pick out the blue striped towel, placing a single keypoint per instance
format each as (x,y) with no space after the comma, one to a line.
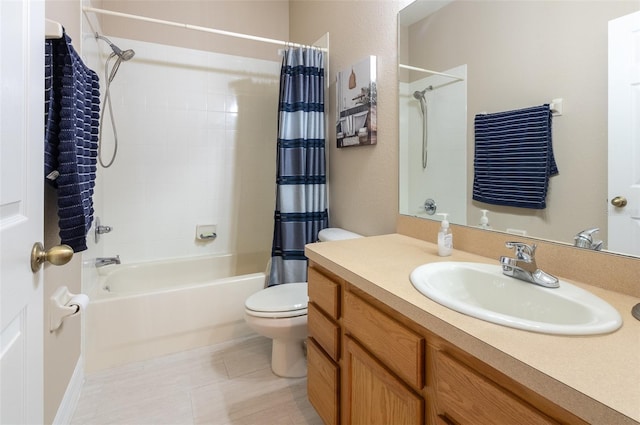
(513,157)
(72,107)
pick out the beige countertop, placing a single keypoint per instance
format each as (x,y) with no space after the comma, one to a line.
(595,377)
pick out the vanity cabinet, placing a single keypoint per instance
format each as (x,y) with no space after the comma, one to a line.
(368,364)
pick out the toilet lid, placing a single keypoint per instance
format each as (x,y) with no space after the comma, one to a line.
(289,298)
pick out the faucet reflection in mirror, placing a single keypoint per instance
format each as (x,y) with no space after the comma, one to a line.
(584,239)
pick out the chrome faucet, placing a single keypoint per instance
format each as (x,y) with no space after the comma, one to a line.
(584,239)
(524,266)
(101,262)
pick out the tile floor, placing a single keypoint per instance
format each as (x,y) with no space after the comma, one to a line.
(225,384)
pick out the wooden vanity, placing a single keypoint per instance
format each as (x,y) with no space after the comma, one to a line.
(381,353)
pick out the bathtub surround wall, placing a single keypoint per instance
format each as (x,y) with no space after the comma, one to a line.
(197,134)
(443,181)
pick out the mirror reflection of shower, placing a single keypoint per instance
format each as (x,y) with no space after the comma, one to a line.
(420,96)
(120,56)
(445,128)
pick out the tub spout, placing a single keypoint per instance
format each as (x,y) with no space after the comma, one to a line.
(105,261)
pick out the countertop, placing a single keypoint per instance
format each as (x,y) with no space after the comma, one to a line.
(595,377)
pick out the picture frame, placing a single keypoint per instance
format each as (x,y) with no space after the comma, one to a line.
(356,97)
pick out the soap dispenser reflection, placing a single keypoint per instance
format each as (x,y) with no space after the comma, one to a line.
(484,220)
(445,237)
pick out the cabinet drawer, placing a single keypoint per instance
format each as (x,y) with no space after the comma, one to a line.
(324,331)
(466,397)
(324,292)
(322,384)
(396,346)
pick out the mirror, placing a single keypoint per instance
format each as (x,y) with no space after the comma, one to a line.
(511,55)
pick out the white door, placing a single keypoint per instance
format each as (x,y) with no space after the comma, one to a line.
(21,209)
(624,134)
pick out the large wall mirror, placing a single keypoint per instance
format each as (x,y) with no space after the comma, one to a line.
(461,58)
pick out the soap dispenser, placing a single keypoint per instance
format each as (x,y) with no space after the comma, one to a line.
(445,237)
(484,220)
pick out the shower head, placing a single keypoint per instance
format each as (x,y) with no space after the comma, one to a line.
(124,55)
(419,95)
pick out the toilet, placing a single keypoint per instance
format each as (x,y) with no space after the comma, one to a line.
(280,313)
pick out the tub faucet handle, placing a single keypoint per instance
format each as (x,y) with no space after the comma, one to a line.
(100,230)
(103,229)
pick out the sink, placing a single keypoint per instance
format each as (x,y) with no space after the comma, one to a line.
(482,291)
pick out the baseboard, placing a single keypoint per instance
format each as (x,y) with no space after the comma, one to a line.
(71,395)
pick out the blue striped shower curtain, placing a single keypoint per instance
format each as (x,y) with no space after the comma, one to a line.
(301,196)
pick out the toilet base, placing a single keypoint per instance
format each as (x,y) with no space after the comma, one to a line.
(288,358)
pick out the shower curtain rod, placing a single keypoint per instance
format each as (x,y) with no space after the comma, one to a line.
(428,71)
(195,27)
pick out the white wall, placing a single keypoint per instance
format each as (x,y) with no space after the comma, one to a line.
(197,138)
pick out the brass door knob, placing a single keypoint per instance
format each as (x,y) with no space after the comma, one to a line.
(57,255)
(619,201)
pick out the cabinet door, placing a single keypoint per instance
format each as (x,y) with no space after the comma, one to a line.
(375,396)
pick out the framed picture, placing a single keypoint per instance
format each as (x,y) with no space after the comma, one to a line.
(356,96)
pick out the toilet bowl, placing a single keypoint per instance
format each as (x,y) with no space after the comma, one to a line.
(280,313)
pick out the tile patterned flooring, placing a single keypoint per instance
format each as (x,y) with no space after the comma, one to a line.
(224,384)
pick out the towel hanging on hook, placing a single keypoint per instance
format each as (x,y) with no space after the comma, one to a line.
(513,158)
(72,106)
(52,29)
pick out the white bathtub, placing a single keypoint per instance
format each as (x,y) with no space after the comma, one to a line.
(145,310)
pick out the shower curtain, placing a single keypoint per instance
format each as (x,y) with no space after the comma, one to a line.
(301,207)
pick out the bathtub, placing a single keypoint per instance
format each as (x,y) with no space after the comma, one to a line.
(141,311)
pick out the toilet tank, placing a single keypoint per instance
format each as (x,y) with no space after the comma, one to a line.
(336,234)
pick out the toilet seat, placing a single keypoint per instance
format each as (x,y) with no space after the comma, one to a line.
(280,301)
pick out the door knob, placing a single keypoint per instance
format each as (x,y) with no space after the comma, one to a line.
(619,201)
(56,255)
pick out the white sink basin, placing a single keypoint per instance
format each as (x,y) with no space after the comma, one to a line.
(482,291)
